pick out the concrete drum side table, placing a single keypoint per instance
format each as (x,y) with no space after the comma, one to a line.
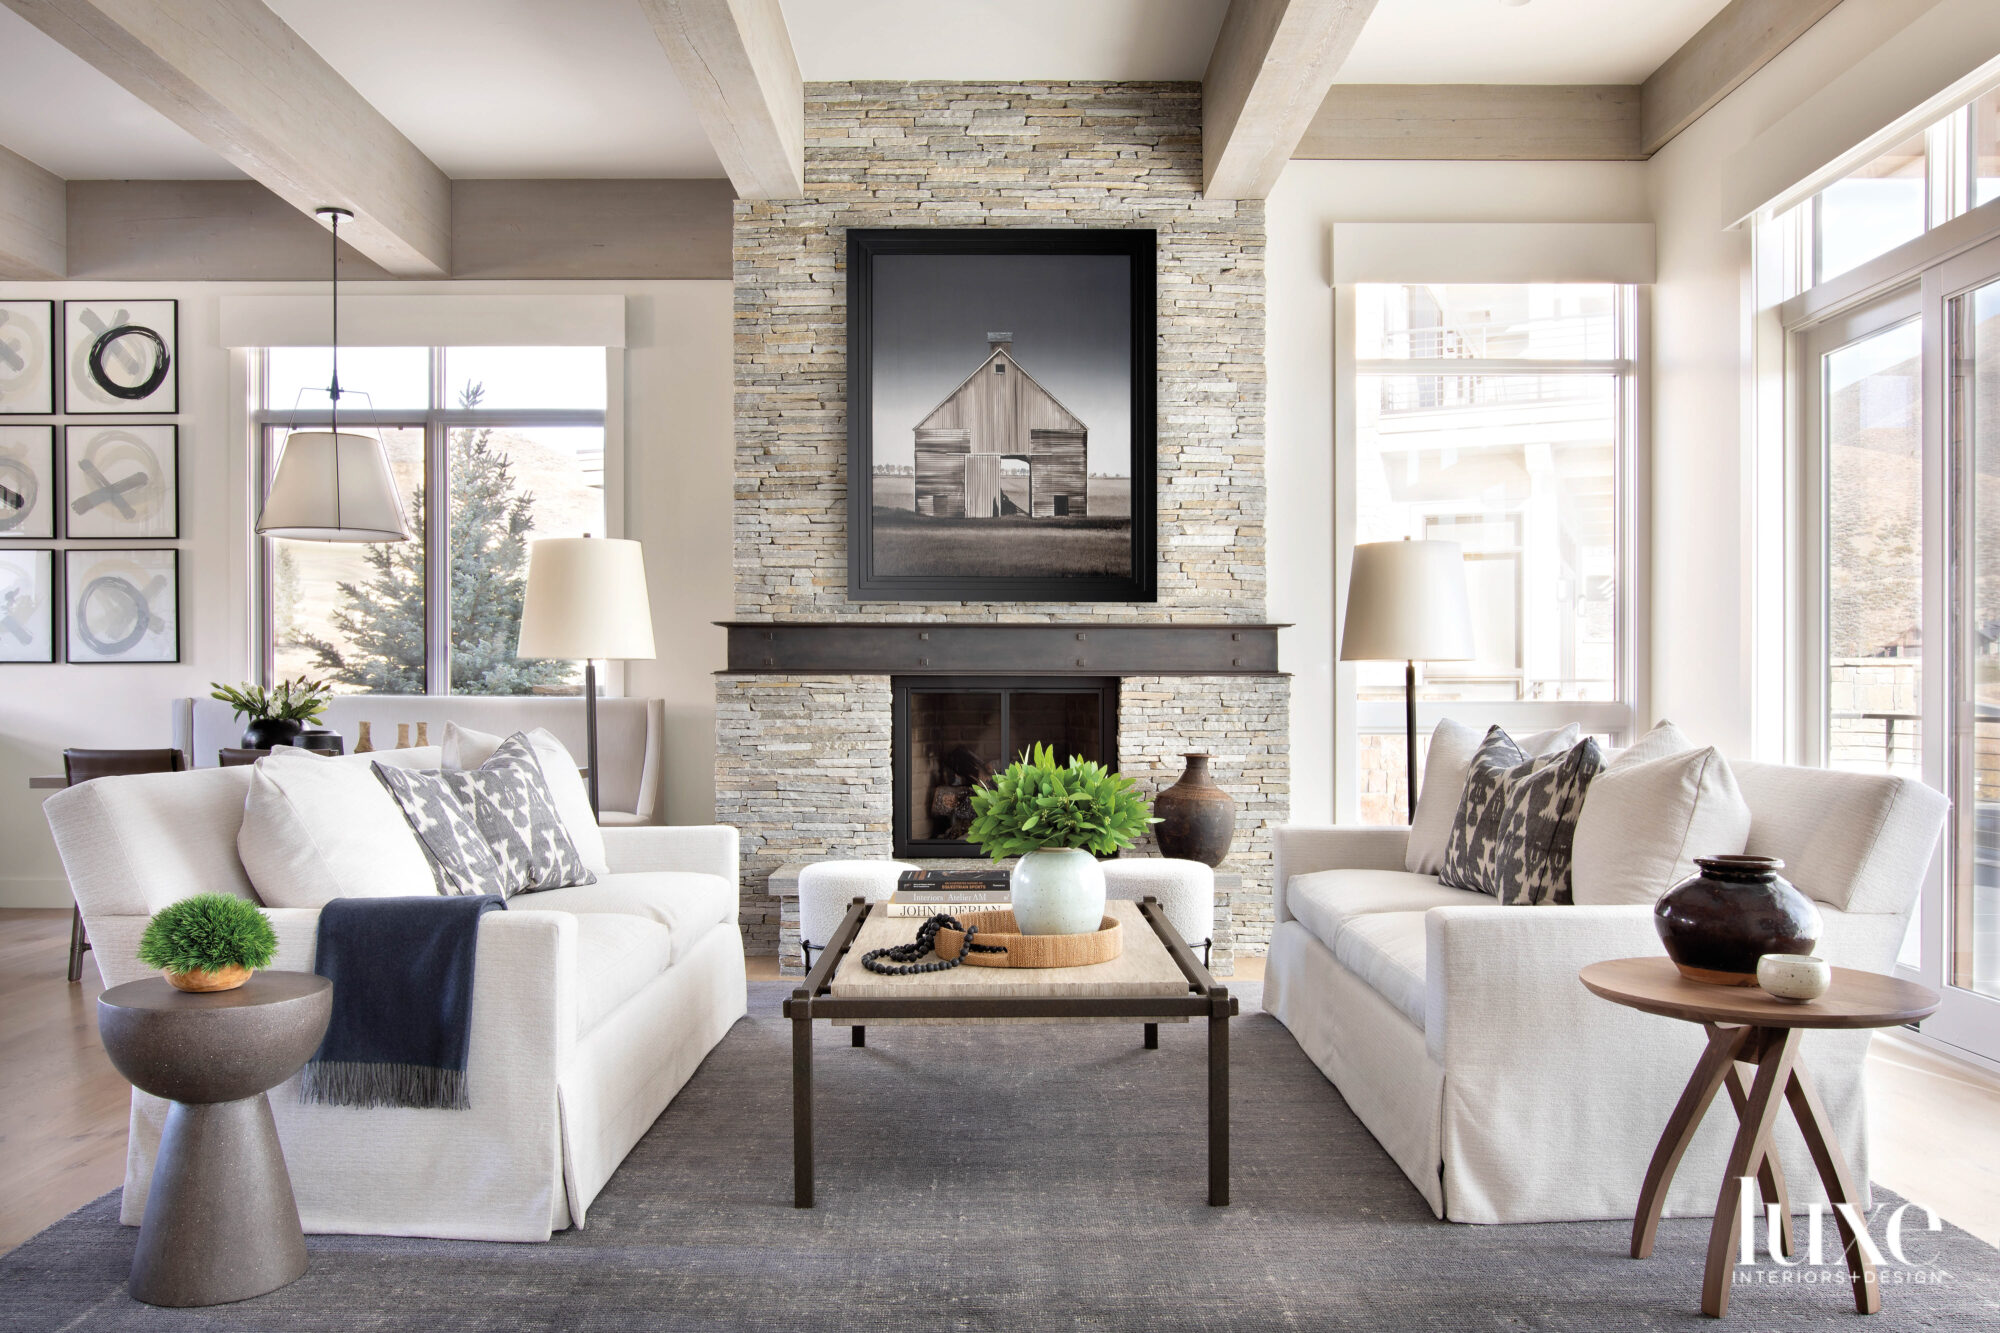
(221,1223)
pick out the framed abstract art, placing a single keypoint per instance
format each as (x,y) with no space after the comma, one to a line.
(124,606)
(27,358)
(121,481)
(121,357)
(27,605)
(27,482)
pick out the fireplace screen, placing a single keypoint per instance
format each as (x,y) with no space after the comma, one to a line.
(952,733)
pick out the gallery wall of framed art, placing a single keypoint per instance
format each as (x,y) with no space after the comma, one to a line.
(102,467)
(1001,433)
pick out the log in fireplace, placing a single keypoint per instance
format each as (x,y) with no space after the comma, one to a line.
(950,733)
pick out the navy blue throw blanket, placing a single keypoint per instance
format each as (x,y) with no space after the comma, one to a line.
(401,970)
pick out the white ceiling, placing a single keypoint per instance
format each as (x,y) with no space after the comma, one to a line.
(498,88)
(989,40)
(581,88)
(1544,41)
(65,117)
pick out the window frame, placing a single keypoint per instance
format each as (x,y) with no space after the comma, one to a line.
(267,425)
(1616,717)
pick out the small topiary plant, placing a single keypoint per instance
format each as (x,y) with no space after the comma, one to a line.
(208,933)
(1039,804)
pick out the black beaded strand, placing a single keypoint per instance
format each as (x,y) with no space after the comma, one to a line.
(903,957)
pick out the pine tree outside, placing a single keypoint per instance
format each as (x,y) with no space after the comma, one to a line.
(357,615)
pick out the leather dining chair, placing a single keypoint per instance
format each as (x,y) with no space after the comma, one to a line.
(237,758)
(82,766)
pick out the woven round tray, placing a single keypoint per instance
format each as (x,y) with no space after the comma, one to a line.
(1099,946)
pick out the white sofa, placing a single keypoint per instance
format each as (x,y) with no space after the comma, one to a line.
(631,734)
(592,1006)
(1456,1028)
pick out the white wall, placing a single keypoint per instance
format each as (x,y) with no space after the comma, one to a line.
(676,412)
(1310,198)
(1711,491)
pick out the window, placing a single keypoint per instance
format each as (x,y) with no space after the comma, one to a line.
(1891,375)
(492,447)
(1498,417)
(1904,191)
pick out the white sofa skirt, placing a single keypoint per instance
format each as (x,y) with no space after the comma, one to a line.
(552,1114)
(1546,1102)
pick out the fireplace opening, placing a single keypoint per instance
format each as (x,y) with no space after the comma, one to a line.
(953,732)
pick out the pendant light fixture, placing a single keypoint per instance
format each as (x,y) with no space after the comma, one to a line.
(334,485)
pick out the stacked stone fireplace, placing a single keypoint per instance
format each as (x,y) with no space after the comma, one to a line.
(806,719)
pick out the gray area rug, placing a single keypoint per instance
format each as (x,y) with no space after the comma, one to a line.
(1000,1179)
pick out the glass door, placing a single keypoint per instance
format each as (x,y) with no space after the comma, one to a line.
(1966,293)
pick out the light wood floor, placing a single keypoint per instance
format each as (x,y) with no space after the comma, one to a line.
(1936,1122)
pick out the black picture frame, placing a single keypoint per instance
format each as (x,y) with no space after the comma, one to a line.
(163,400)
(52,611)
(75,589)
(865,582)
(23,391)
(74,492)
(29,464)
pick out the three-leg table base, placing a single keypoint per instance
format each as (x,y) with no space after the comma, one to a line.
(1780,1079)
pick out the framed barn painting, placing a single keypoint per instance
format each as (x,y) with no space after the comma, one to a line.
(1000,415)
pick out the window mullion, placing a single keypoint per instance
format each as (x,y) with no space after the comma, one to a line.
(437,536)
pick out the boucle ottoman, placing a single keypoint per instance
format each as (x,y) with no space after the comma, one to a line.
(1186,890)
(827,888)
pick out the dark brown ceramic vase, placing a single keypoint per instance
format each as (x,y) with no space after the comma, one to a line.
(1197,818)
(1718,923)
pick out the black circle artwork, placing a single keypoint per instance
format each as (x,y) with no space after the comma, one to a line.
(162,362)
(908,954)
(113,587)
(19,488)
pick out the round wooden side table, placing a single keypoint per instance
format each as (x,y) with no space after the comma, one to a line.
(221,1223)
(1744,1024)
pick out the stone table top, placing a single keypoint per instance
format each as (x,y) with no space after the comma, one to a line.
(1143,968)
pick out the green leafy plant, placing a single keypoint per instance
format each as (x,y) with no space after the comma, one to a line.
(206,933)
(299,700)
(1038,803)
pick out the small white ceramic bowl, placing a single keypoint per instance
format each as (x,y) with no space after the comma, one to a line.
(1795,977)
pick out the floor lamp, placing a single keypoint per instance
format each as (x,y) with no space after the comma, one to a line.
(1406,603)
(586,599)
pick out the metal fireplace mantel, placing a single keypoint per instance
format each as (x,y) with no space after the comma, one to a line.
(937,648)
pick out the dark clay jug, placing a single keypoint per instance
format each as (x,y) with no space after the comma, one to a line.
(1718,923)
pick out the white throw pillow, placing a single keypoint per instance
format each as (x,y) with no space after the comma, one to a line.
(467,748)
(1645,819)
(318,829)
(1450,756)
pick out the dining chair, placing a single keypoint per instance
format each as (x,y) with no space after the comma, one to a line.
(82,766)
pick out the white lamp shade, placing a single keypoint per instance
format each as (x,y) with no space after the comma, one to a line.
(333,488)
(586,599)
(1406,602)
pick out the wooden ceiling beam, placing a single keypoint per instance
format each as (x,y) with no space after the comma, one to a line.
(232,74)
(735,59)
(1273,63)
(1713,63)
(1476,122)
(33,242)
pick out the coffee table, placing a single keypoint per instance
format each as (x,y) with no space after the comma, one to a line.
(1155,980)
(1747,1026)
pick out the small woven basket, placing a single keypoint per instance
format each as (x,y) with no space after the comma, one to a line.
(1099,946)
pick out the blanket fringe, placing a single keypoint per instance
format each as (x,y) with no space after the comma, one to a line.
(361,1083)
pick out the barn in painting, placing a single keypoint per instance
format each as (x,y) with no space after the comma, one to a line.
(975,447)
